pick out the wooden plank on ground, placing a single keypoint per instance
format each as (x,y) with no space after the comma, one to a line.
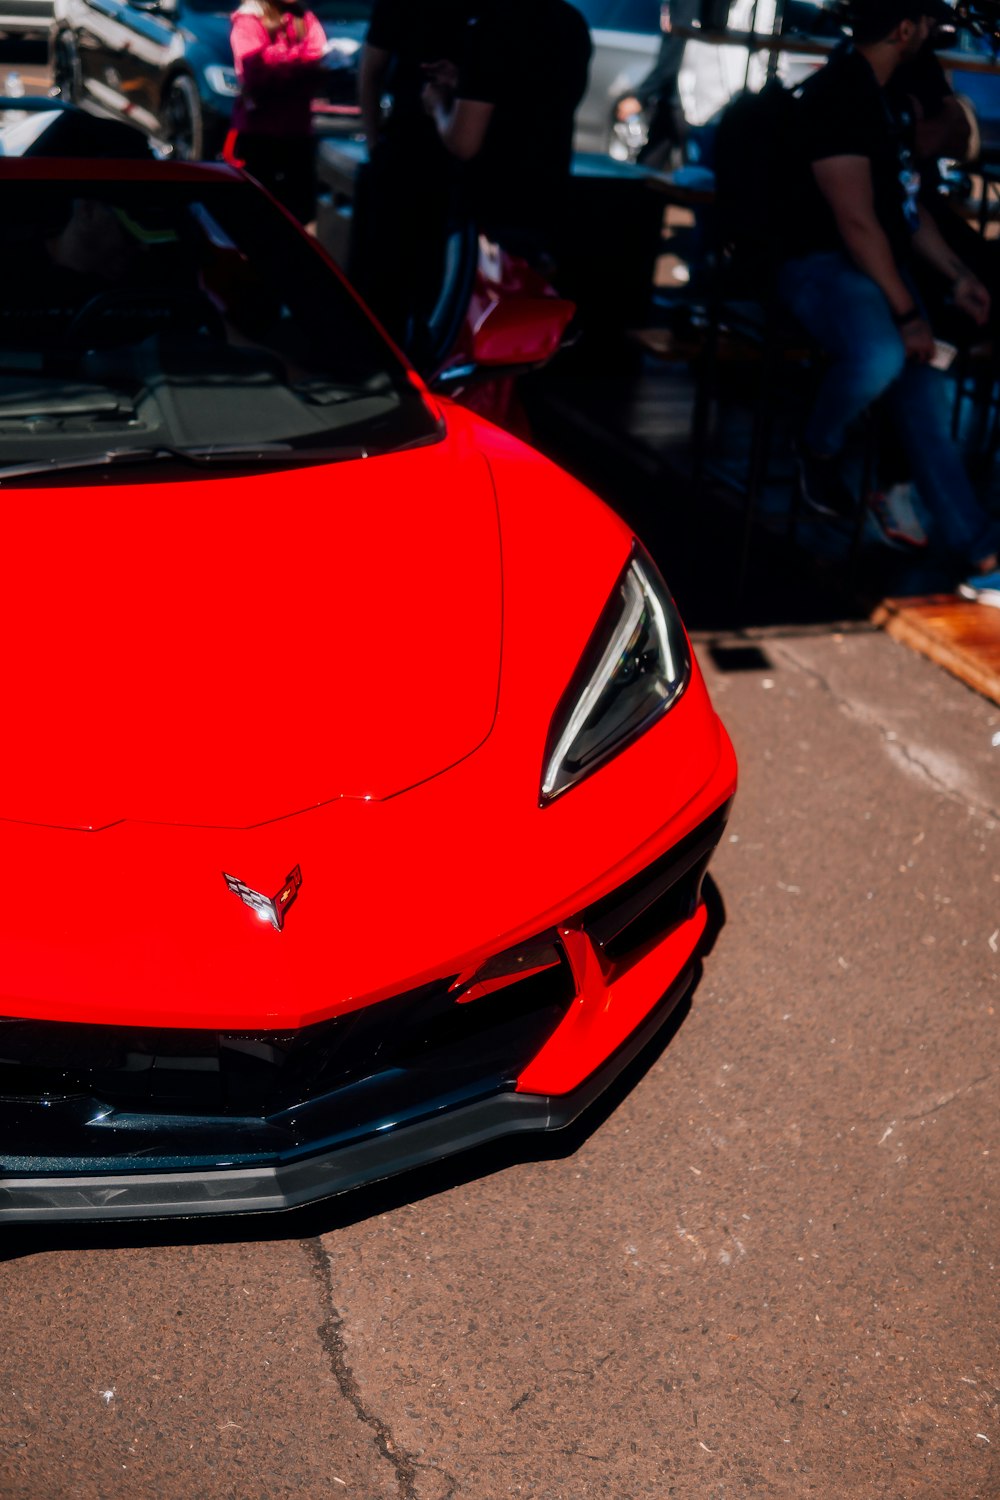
(958,634)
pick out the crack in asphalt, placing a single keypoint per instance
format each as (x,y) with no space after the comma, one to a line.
(942,1102)
(331,1337)
(890,737)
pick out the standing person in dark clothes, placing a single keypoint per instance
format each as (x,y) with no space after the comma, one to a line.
(658,91)
(507,112)
(856,228)
(405,191)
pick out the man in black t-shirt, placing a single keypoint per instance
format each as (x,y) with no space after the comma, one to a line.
(844,116)
(507,111)
(859,224)
(404,196)
(404,38)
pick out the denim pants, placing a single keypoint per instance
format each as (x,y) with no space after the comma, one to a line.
(849,317)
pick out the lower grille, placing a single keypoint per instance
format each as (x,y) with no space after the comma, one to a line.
(413,1046)
(643,910)
(106,1099)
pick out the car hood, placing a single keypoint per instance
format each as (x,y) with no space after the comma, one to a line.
(227,651)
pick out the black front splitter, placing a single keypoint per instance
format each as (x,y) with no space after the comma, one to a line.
(86,1195)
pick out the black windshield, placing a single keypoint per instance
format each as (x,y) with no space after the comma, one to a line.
(182,315)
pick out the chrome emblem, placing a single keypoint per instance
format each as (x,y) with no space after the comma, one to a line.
(268,908)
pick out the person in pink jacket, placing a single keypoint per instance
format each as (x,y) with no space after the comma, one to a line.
(278,51)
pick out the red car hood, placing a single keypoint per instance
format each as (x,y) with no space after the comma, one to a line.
(229,651)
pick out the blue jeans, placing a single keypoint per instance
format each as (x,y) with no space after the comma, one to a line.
(849,317)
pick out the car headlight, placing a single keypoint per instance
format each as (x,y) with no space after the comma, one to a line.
(222,80)
(634,669)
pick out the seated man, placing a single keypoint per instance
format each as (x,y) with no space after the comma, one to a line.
(59,260)
(944,125)
(81,247)
(855,232)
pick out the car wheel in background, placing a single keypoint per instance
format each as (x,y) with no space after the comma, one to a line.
(181,120)
(67,78)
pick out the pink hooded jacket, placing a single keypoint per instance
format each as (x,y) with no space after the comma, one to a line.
(278,75)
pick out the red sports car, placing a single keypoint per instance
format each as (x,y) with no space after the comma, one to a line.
(358,780)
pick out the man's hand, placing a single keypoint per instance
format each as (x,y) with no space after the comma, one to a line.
(434,99)
(972,298)
(918,340)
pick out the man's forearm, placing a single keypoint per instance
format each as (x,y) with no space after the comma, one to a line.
(868,247)
(846,184)
(932,247)
(968,293)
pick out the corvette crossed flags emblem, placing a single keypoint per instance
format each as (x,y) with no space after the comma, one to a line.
(268,908)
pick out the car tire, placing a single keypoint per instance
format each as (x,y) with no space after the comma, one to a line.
(182,122)
(67,76)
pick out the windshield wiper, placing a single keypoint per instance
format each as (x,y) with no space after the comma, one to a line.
(210,453)
(220,453)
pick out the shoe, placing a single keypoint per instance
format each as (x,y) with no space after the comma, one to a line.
(983,587)
(893,513)
(823,489)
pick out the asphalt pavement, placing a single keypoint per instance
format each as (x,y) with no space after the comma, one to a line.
(766,1267)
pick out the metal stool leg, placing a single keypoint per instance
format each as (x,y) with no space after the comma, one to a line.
(760,448)
(707,372)
(868,464)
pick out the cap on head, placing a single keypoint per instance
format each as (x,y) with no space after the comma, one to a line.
(873,20)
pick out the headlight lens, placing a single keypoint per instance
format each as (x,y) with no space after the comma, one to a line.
(634,669)
(222,80)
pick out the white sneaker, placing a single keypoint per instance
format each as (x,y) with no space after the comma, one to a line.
(983,587)
(893,513)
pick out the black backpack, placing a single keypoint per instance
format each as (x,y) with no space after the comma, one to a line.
(758,174)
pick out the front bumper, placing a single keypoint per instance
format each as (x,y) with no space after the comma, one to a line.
(264,1189)
(119,1123)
